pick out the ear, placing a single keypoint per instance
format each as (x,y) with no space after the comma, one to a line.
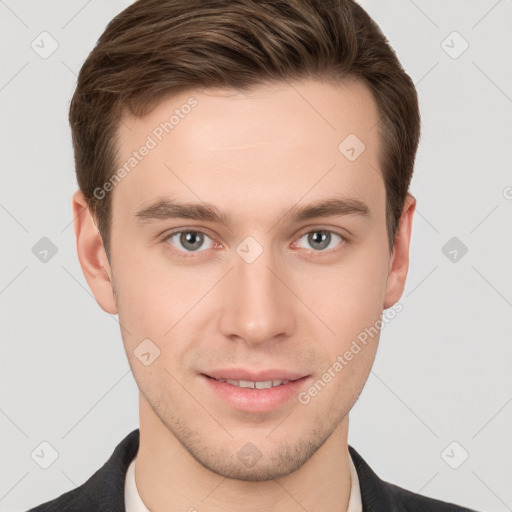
(92,255)
(399,263)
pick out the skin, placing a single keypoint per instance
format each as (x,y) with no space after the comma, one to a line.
(253,155)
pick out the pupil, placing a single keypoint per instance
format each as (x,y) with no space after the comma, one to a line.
(191,240)
(320,237)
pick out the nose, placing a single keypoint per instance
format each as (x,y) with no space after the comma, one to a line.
(257,304)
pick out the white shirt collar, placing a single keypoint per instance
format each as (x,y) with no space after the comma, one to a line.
(132,500)
(354,503)
(134,503)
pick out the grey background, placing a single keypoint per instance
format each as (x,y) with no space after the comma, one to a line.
(442,373)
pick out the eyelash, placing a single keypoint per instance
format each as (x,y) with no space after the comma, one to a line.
(187,254)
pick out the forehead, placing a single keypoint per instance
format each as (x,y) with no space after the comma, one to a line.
(275,142)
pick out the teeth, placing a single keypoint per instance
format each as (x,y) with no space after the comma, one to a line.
(264,385)
(267,384)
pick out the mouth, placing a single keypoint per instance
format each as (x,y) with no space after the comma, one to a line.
(243,375)
(254,391)
(265,384)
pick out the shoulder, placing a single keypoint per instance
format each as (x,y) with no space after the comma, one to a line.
(411,501)
(377,494)
(104,490)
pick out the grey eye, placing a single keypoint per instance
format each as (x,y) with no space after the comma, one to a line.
(320,239)
(191,241)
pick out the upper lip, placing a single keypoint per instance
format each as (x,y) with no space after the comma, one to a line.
(253,376)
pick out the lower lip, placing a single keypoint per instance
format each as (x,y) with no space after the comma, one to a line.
(255,400)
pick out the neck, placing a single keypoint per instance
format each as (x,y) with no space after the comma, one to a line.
(169,478)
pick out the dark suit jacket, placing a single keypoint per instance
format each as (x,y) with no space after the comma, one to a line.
(104,491)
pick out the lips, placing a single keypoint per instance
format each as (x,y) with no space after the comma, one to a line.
(239,374)
(267,384)
(254,391)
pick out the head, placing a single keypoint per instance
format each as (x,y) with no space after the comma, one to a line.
(206,135)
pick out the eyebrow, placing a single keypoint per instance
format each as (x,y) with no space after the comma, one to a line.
(169,209)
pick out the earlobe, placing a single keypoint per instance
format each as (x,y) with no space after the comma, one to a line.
(399,264)
(91,254)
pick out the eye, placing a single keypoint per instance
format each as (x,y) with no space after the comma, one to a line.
(189,241)
(321,239)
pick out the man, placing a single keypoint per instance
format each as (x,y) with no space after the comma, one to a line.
(243,206)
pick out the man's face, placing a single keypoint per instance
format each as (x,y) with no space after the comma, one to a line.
(265,296)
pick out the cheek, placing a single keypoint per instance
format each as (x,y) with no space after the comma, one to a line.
(348,297)
(159,300)
(151,288)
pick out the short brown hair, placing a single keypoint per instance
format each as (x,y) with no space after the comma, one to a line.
(156,48)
